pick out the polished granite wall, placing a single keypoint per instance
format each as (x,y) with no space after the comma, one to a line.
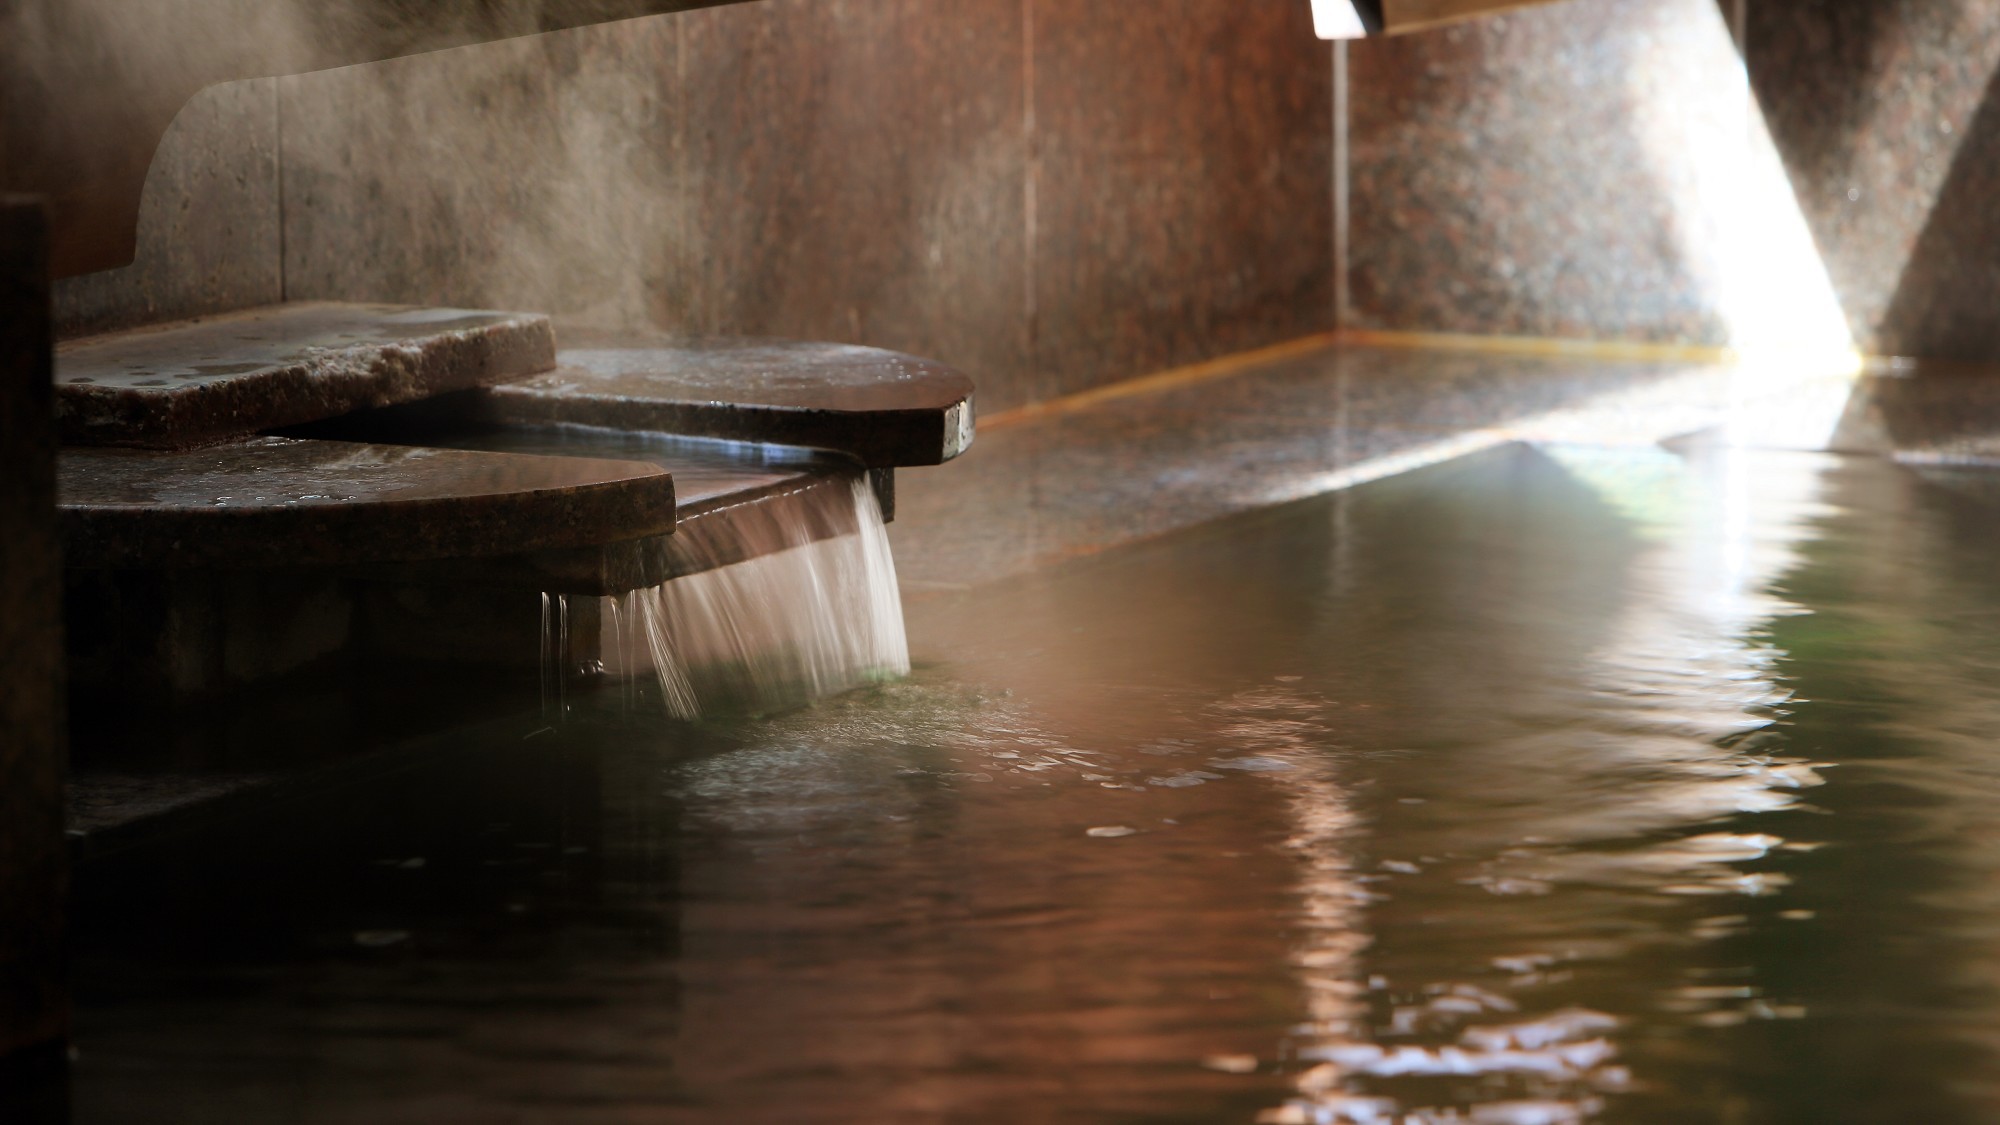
(32,847)
(209,232)
(1564,171)
(1887,113)
(1048,195)
(1056,196)
(1529,174)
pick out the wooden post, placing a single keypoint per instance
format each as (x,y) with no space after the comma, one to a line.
(34,1003)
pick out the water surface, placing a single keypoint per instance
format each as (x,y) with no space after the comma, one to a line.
(1552,785)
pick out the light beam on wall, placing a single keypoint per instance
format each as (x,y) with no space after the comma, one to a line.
(1344,19)
(1734,211)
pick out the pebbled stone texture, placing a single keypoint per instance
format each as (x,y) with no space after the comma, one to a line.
(205,381)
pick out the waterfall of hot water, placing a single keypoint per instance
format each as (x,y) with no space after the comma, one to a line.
(803,615)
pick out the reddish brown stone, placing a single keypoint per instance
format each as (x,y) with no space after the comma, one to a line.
(1503,180)
(1887,114)
(1183,184)
(285,503)
(858,175)
(204,381)
(883,408)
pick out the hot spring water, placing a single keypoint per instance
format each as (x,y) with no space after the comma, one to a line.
(805,615)
(1555,786)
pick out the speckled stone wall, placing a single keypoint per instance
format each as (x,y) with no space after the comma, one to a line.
(208,223)
(539,174)
(856,173)
(1183,186)
(1542,173)
(1887,114)
(1054,196)
(1047,195)
(1528,174)
(32,846)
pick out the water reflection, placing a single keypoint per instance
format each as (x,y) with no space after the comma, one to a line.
(1598,785)
(1498,793)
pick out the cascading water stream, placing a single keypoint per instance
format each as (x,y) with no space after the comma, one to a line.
(555,656)
(804,615)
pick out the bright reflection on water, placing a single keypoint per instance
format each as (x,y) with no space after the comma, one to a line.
(1553,785)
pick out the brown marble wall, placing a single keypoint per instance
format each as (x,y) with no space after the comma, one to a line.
(1541,174)
(1524,174)
(1054,196)
(32,846)
(540,173)
(1183,187)
(1887,114)
(1050,196)
(856,173)
(208,222)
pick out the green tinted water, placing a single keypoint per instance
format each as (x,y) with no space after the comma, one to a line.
(1553,785)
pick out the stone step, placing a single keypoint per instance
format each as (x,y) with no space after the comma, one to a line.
(880,407)
(718,486)
(200,382)
(273,502)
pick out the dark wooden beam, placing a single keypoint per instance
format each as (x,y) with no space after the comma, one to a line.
(34,1013)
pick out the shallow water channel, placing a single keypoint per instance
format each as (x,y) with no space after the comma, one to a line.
(1551,785)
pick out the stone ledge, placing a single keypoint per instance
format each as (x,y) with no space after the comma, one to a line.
(882,408)
(281,502)
(205,381)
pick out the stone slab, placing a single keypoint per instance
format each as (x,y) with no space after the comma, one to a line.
(205,381)
(880,407)
(718,533)
(717,485)
(85,95)
(33,1003)
(281,502)
(538,173)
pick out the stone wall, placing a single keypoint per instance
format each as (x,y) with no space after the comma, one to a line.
(1887,113)
(1533,174)
(1048,195)
(1566,171)
(1054,196)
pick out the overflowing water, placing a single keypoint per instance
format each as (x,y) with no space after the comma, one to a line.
(1548,787)
(805,616)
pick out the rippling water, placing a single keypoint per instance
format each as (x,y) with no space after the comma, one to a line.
(1554,785)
